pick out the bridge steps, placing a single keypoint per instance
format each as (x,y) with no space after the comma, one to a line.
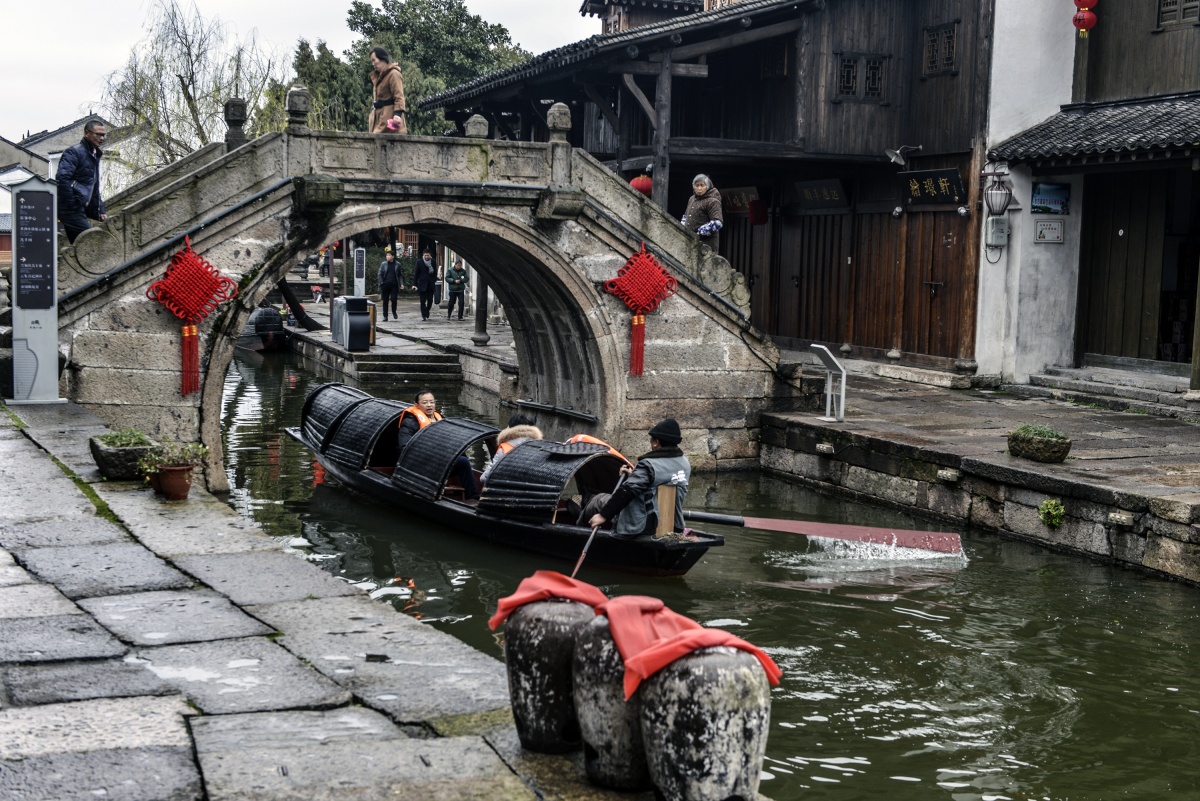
(1117,390)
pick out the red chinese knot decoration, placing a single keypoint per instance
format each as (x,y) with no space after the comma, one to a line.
(643,284)
(191,290)
(1084,19)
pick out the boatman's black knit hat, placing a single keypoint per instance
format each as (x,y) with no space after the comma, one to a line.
(667,432)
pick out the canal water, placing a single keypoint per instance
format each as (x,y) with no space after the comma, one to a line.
(1012,673)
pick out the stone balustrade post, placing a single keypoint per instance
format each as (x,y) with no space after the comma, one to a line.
(476,127)
(235,118)
(297,104)
(560,200)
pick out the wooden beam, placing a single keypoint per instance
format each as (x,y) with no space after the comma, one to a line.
(650,68)
(634,90)
(736,40)
(662,134)
(605,109)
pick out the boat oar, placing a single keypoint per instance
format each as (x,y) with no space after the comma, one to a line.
(583,555)
(945,542)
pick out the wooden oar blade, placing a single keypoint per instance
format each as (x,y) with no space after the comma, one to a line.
(945,542)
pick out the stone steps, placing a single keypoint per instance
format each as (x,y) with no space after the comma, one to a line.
(1124,378)
(1102,388)
(1102,400)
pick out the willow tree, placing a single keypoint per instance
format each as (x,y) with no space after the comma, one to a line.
(168,99)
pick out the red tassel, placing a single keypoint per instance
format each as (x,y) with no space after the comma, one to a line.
(191,360)
(637,344)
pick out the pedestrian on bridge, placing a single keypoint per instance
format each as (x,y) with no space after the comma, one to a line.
(78,179)
(456,287)
(704,216)
(390,283)
(387,107)
(424,279)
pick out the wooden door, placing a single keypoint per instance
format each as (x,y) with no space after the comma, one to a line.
(813,286)
(935,283)
(877,281)
(1120,263)
(748,249)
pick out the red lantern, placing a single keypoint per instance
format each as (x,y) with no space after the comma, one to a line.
(643,184)
(1086,4)
(1084,20)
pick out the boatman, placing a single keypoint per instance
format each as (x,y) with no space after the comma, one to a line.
(423,413)
(633,508)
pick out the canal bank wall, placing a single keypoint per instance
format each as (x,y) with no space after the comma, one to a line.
(1130,490)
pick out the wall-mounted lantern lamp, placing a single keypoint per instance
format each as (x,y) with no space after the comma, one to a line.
(963,211)
(896,212)
(900,155)
(997,195)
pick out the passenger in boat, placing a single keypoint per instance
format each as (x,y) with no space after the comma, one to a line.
(422,413)
(633,508)
(521,428)
(586,480)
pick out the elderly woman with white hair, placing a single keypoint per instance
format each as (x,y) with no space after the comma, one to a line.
(704,216)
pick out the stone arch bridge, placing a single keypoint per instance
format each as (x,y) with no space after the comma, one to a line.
(543,223)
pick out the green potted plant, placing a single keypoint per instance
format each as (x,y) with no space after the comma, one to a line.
(117,453)
(168,467)
(1039,443)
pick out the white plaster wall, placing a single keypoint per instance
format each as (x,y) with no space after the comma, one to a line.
(1026,313)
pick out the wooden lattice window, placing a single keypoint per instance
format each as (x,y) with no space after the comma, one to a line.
(941,50)
(1178,11)
(861,76)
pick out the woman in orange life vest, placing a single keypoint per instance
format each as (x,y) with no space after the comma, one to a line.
(422,413)
(521,428)
(587,482)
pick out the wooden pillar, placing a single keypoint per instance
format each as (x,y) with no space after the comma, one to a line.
(1195,385)
(662,133)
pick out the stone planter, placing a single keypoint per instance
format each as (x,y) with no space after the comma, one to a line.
(118,464)
(1039,449)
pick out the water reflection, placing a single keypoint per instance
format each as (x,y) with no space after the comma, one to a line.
(1013,673)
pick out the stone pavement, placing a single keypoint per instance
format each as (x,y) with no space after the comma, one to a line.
(152,649)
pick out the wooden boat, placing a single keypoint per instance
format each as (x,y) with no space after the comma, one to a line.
(353,436)
(264,330)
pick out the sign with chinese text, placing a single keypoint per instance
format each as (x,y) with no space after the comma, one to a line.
(1048,231)
(826,194)
(35,293)
(360,271)
(738,199)
(926,187)
(1051,199)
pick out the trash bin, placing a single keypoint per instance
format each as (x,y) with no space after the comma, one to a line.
(337,320)
(371,307)
(357,324)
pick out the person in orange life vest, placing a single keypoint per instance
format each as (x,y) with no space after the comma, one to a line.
(424,412)
(587,481)
(521,428)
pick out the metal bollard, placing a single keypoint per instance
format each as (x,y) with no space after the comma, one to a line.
(612,739)
(539,639)
(704,719)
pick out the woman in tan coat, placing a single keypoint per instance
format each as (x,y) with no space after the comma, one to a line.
(389,94)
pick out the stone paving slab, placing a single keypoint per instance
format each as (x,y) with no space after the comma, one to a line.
(76,728)
(88,571)
(34,601)
(291,729)
(10,573)
(57,532)
(70,446)
(142,774)
(256,578)
(24,466)
(445,769)
(30,685)
(392,663)
(246,675)
(160,618)
(201,525)
(49,639)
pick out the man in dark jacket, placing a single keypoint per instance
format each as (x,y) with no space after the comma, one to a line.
(633,508)
(390,283)
(424,278)
(78,180)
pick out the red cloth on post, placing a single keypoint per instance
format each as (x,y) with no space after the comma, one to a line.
(649,636)
(545,584)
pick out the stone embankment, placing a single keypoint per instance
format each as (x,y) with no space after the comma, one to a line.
(1130,487)
(171,650)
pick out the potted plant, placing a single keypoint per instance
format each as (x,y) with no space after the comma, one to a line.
(1039,443)
(117,453)
(168,467)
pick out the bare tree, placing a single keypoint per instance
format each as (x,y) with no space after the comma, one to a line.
(168,99)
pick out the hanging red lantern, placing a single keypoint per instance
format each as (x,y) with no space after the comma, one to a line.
(1086,4)
(1084,20)
(643,184)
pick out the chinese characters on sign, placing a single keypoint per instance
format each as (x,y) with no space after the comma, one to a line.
(1051,199)
(816,195)
(1048,231)
(738,198)
(925,187)
(33,263)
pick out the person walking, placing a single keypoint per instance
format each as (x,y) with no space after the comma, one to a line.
(390,283)
(704,216)
(387,107)
(424,278)
(456,287)
(78,178)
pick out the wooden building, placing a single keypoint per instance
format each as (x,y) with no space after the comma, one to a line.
(791,108)
(1126,149)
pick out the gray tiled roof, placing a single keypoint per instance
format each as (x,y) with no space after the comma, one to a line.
(603,44)
(1110,129)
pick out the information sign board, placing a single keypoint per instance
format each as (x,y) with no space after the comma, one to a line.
(33,249)
(924,187)
(35,293)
